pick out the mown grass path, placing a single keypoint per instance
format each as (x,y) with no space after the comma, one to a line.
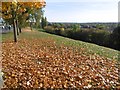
(39,60)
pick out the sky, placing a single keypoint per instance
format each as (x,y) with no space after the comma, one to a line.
(81,10)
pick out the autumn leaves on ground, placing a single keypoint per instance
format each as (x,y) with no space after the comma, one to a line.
(38,60)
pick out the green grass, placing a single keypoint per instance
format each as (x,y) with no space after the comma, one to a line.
(90,48)
(7,36)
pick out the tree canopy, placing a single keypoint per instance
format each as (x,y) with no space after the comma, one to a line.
(20,7)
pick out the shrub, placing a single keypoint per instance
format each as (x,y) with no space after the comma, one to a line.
(66,32)
(100,37)
(49,29)
(62,29)
(115,38)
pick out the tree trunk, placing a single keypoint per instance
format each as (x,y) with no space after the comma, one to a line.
(31,26)
(20,30)
(17,31)
(14,30)
(17,27)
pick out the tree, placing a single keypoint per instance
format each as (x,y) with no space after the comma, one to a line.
(75,27)
(37,17)
(13,10)
(100,26)
(43,22)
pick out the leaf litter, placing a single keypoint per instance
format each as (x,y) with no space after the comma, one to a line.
(43,63)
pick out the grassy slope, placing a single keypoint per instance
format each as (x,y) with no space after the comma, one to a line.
(89,48)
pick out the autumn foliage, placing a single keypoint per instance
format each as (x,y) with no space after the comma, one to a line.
(19,7)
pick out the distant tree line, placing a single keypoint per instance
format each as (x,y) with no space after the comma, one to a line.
(97,35)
